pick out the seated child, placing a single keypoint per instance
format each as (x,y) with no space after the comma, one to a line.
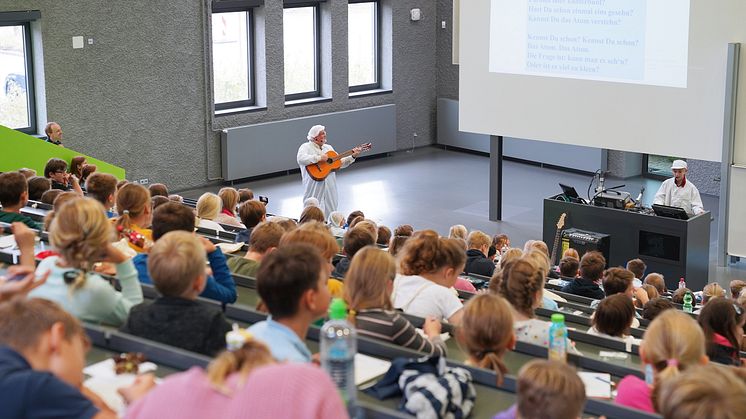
(637,267)
(245,194)
(544,387)
(158,189)
(591,268)
(176,262)
(42,355)
(311,213)
(722,321)
(679,294)
(704,392)
(458,231)
(37,185)
(429,266)
(655,307)
(135,216)
(59,201)
(672,343)
(613,318)
(208,208)
(712,290)
(82,235)
(486,333)
(247,376)
(354,240)
(384,236)
(173,216)
(736,286)
(656,280)
(318,236)
(49,196)
(227,215)
(103,188)
(56,171)
(569,268)
(251,213)
(13,197)
(264,239)
(292,284)
(86,172)
(477,262)
(336,224)
(396,244)
(368,288)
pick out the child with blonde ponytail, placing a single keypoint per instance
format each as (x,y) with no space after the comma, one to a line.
(81,234)
(673,342)
(486,333)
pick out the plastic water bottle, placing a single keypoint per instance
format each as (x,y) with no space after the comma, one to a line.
(338,349)
(682,283)
(558,338)
(688,302)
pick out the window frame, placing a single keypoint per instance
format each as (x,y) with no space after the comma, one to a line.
(377,50)
(317,51)
(28,56)
(250,43)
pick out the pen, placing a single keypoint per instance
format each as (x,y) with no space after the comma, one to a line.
(603,380)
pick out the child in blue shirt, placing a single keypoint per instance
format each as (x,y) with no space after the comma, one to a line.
(42,355)
(292,284)
(173,216)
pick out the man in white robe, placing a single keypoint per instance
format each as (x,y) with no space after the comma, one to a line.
(678,191)
(314,151)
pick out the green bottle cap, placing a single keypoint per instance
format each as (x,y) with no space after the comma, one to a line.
(558,318)
(338,309)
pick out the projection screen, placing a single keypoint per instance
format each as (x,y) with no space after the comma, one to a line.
(643,76)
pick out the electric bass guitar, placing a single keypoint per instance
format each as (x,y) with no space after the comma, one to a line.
(560,224)
(319,171)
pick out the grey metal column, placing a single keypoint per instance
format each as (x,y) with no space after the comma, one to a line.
(496,178)
(729,134)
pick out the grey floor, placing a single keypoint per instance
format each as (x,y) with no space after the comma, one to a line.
(432,188)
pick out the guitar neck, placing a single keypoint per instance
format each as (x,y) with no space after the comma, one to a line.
(554,247)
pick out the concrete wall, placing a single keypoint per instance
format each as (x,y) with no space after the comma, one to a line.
(138,98)
(621,164)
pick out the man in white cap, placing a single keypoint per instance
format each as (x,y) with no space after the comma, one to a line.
(314,151)
(679,192)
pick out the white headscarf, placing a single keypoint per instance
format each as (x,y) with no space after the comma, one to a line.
(315,131)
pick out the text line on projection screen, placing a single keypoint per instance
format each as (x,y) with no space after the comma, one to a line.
(625,41)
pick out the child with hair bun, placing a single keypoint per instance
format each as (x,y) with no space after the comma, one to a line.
(82,235)
(428,267)
(673,343)
(135,216)
(486,333)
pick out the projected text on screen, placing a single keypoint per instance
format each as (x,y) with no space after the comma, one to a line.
(628,41)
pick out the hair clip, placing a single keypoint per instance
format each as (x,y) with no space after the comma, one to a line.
(236,338)
(672,362)
(126,212)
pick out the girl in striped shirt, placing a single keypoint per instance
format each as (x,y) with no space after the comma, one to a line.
(368,286)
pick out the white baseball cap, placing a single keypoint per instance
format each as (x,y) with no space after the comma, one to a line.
(315,131)
(678,164)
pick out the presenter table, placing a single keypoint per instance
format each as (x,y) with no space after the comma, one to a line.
(672,247)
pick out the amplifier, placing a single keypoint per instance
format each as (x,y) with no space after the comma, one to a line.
(586,241)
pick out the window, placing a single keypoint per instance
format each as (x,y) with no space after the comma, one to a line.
(232,58)
(363,44)
(657,167)
(301,45)
(17,104)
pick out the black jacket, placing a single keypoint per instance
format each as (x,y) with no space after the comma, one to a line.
(179,322)
(477,263)
(585,288)
(723,354)
(341,269)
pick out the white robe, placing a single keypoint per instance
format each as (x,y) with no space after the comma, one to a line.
(686,197)
(326,190)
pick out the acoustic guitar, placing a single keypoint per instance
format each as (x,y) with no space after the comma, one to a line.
(560,224)
(319,171)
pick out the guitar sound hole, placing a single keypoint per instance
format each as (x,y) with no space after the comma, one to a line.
(330,161)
